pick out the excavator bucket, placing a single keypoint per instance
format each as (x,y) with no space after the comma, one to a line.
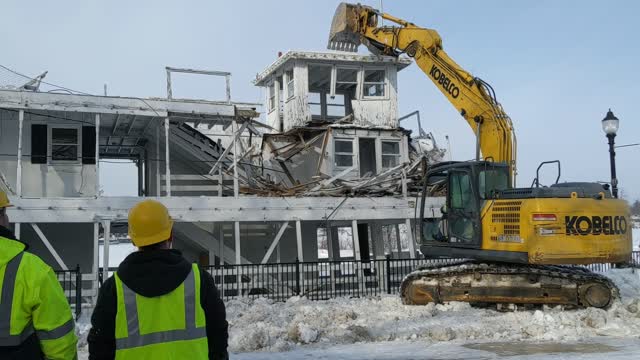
(343,35)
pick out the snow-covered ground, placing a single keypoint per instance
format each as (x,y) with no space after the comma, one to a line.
(383,328)
(589,349)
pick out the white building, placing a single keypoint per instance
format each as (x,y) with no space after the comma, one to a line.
(340,110)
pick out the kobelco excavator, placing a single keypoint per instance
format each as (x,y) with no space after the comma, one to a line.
(522,243)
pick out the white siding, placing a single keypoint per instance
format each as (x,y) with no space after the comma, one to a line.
(41,180)
(381,112)
(296,109)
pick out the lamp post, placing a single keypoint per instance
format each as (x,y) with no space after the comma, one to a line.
(610,126)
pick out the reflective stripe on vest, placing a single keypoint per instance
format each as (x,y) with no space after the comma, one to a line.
(6,302)
(134,339)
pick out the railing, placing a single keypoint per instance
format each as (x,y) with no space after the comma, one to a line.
(319,280)
(326,279)
(71,282)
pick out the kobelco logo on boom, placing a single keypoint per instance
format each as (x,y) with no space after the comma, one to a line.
(595,225)
(444,81)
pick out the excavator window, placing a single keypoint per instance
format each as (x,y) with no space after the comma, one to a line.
(492,180)
(462,207)
(460,190)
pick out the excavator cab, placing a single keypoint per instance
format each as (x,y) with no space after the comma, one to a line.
(467,186)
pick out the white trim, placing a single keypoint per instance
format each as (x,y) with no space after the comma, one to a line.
(206,208)
(167,158)
(398,156)
(334,153)
(272,84)
(20,141)
(285,78)
(97,125)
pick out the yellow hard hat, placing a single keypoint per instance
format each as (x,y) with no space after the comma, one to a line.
(149,223)
(4,200)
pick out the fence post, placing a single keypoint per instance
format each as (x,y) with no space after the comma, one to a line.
(78,291)
(297,276)
(388,273)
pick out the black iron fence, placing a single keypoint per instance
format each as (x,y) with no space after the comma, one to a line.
(71,282)
(326,279)
(319,280)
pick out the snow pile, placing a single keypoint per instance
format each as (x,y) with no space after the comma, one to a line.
(264,325)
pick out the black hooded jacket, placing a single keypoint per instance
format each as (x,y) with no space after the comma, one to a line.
(154,273)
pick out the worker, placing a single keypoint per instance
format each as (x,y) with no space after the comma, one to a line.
(35,316)
(157,305)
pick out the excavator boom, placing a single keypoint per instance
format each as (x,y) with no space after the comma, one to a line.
(474,99)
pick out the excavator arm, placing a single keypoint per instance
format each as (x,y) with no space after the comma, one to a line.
(474,99)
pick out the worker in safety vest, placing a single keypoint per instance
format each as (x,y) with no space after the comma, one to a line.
(157,305)
(35,317)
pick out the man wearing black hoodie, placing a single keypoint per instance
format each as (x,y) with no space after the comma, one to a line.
(146,310)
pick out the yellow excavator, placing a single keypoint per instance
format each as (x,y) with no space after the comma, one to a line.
(522,244)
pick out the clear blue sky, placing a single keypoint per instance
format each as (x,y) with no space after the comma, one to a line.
(557,66)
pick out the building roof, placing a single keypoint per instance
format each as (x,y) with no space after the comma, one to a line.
(328,56)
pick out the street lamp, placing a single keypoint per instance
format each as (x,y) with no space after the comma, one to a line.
(610,126)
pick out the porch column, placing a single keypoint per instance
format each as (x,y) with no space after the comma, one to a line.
(167,180)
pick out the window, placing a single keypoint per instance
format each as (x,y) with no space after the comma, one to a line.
(280,81)
(336,106)
(288,75)
(374,83)
(347,82)
(65,144)
(315,105)
(345,242)
(390,154)
(460,191)
(272,96)
(390,239)
(323,243)
(343,152)
(491,180)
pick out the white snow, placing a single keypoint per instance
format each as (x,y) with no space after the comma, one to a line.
(383,328)
(636,238)
(267,326)
(590,349)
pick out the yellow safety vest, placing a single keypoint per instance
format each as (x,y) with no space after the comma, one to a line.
(32,300)
(171,326)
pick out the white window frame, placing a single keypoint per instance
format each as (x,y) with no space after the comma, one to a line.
(50,144)
(357,82)
(291,85)
(353,152)
(363,86)
(398,156)
(271,96)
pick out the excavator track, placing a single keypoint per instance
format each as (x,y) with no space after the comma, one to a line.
(485,283)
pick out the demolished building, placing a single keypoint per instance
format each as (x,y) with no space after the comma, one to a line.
(329,175)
